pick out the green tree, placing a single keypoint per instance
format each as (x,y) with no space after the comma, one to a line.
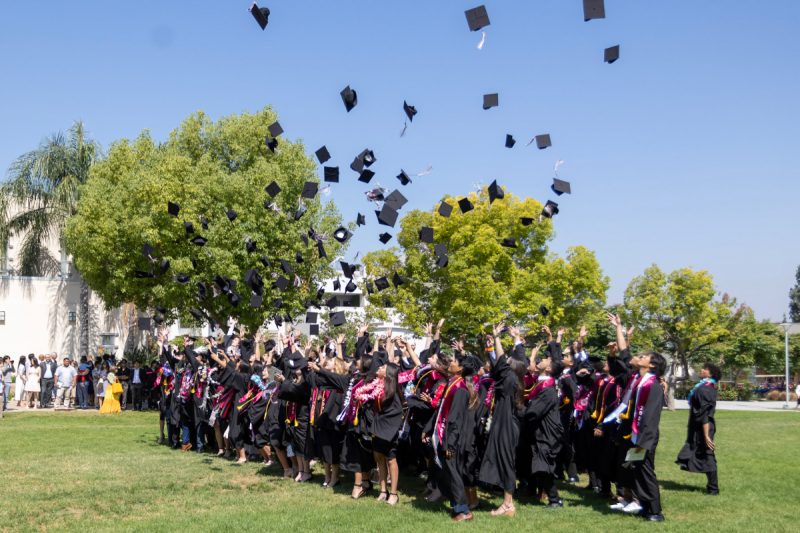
(750,343)
(678,313)
(794,299)
(207,168)
(486,282)
(41,193)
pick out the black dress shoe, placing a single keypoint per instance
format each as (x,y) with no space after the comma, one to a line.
(712,492)
(556,505)
(654,517)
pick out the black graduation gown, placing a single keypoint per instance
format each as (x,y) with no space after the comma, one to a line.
(452,472)
(475,436)
(542,424)
(497,467)
(695,455)
(328,436)
(566,410)
(584,426)
(300,395)
(238,430)
(387,419)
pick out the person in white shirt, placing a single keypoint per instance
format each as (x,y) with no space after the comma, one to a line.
(65,379)
(137,385)
(797,393)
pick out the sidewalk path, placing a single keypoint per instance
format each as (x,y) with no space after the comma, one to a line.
(764,406)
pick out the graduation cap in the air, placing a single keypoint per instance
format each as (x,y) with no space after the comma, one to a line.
(265,261)
(182,278)
(173,209)
(199,241)
(254,280)
(256,300)
(351,286)
(301,210)
(560,187)
(395,200)
(337,285)
(321,250)
(277,303)
(164,265)
(509,242)
(141,274)
(526,221)
(197,313)
(275,129)
(477,18)
(337,319)
(143,323)
(310,189)
(261,14)
(272,143)
(365,159)
(281,283)
(611,54)
(313,329)
(342,234)
(189,227)
(495,192)
(550,209)
(491,100)
(272,189)
(543,141)
(203,221)
(426,234)
(202,290)
(387,216)
(510,141)
(286,266)
(375,195)
(231,214)
(410,110)
(331,174)
(311,317)
(250,246)
(543,310)
(366,176)
(361,220)
(222,283)
(382,283)
(385,237)
(332,302)
(147,250)
(322,154)
(347,269)
(442,260)
(370,287)
(397,280)
(445,209)
(465,205)
(593,9)
(403,177)
(349,97)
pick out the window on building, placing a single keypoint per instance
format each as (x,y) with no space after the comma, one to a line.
(108,341)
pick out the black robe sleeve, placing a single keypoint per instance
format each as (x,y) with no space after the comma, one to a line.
(705,401)
(191,357)
(456,419)
(554,349)
(648,426)
(337,381)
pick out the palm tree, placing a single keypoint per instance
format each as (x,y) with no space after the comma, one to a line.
(41,193)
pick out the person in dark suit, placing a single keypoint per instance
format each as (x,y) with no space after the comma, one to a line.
(48,373)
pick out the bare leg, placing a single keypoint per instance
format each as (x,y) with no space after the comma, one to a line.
(394,474)
(334,479)
(242,456)
(380,461)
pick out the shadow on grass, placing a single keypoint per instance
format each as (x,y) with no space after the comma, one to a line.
(674,485)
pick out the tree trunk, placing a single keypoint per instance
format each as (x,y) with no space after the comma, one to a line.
(84,320)
(671,381)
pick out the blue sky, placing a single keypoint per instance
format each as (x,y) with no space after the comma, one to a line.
(682,153)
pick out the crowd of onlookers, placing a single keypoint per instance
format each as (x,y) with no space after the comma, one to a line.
(45,381)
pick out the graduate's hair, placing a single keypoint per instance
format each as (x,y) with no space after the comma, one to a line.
(339,366)
(244,368)
(556,367)
(366,363)
(658,363)
(258,368)
(519,368)
(390,381)
(714,370)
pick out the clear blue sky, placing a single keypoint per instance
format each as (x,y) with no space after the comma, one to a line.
(682,153)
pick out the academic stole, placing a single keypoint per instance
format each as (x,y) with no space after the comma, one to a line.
(453,386)
(623,410)
(642,393)
(600,397)
(323,398)
(705,382)
(538,387)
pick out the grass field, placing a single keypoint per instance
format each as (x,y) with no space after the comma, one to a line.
(86,472)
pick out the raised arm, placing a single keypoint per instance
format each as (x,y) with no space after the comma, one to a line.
(622,342)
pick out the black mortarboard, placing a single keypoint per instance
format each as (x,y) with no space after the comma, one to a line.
(278,320)
(593,9)
(286,266)
(543,141)
(273,189)
(277,303)
(442,260)
(477,18)
(382,283)
(158,319)
(366,176)
(310,189)
(141,274)
(231,214)
(234,298)
(164,265)
(337,319)
(199,241)
(370,287)
(509,242)
(543,310)
(375,195)
(202,290)
(313,329)
(397,280)
(526,221)
(495,192)
(256,300)
(275,129)
(440,249)
(173,209)
(387,216)
(426,234)
(301,210)
(143,323)
(147,250)
(465,205)
(349,97)
(560,187)
(350,287)
(203,221)
(611,54)
(510,142)
(403,177)
(550,209)
(445,209)
(395,200)
(410,110)
(298,257)
(272,143)
(321,250)
(331,174)
(491,100)
(182,278)
(261,14)
(189,227)
(304,239)
(322,154)
(250,246)
(281,283)
(197,313)
(337,285)
(311,318)
(347,269)
(342,234)
(265,261)
(385,237)
(361,220)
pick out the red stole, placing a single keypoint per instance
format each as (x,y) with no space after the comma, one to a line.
(642,393)
(537,388)
(453,386)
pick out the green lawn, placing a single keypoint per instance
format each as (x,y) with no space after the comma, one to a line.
(86,472)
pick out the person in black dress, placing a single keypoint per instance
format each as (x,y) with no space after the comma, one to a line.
(387,407)
(697,455)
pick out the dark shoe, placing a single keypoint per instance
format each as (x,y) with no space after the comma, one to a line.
(654,517)
(712,492)
(434,496)
(461,517)
(556,505)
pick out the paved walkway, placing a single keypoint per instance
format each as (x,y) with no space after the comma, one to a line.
(763,406)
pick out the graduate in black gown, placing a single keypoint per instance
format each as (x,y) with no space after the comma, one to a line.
(499,461)
(565,463)
(236,376)
(697,454)
(296,391)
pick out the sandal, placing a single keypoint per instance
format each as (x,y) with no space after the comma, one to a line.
(504,510)
(362,490)
(383,496)
(396,499)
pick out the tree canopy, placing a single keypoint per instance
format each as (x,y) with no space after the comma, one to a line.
(794,299)
(206,168)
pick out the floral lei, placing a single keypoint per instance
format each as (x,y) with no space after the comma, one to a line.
(370,391)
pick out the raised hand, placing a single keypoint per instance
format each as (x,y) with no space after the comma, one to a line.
(546,331)
(340,338)
(614,319)
(582,334)
(428,329)
(560,333)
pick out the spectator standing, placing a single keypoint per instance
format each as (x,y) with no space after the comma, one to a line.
(48,373)
(22,376)
(83,378)
(98,377)
(8,371)
(797,393)
(124,378)
(137,386)
(151,391)
(65,379)
(32,383)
